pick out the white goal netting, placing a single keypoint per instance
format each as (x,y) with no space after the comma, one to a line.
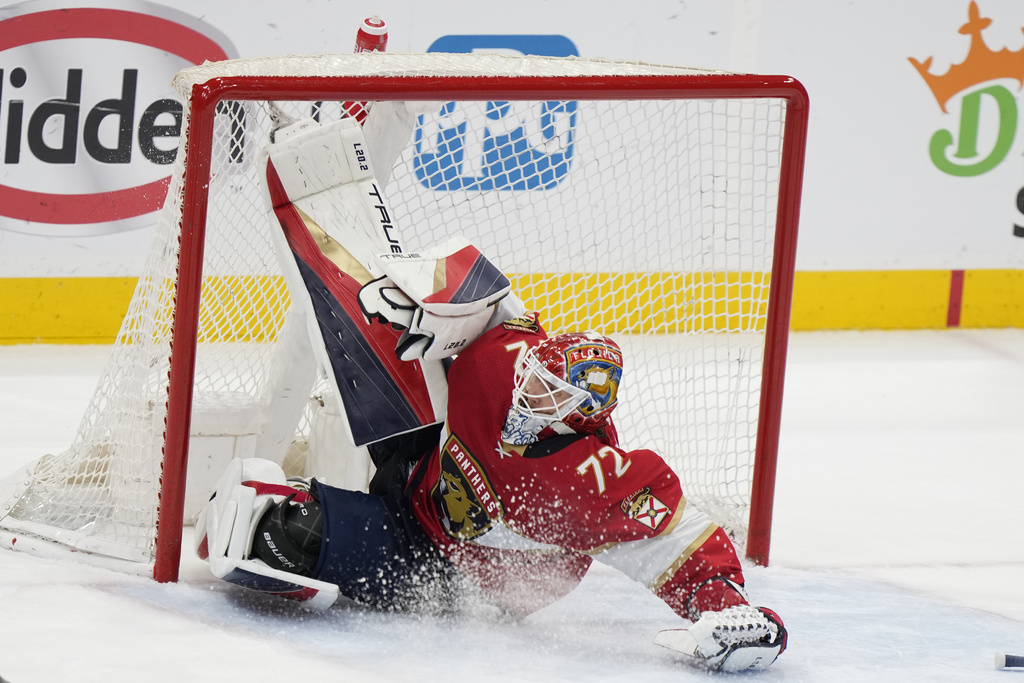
(652,220)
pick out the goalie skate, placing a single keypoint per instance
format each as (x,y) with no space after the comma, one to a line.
(225,528)
(741,638)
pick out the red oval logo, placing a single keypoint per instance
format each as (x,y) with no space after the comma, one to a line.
(163,34)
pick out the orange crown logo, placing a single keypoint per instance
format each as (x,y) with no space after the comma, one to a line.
(982,64)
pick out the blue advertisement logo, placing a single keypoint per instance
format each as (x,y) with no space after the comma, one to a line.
(547,45)
(498,145)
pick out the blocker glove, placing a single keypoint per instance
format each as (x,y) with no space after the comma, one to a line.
(443,299)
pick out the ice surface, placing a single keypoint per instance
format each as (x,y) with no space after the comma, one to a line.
(897,555)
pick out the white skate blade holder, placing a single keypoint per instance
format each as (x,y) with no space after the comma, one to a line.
(310,593)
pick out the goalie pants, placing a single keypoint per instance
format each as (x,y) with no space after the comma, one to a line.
(376,553)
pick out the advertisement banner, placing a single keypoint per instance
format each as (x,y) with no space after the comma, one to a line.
(913,197)
(88,122)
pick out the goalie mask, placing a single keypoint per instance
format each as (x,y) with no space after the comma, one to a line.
(568,381)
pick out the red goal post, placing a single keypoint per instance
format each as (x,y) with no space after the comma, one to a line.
(674,316)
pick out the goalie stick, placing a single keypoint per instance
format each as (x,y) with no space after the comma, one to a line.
(1004,661)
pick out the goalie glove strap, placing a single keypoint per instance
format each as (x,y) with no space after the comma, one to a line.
(781,634)
(713,595)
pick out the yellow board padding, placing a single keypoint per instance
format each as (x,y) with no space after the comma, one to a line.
(84,310)
(242,308)
(905,299)
(645,303)
(91,310)
(993,298)
(880,300)
(250,308)
(235,309)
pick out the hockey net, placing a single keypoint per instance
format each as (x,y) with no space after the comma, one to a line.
(654,204)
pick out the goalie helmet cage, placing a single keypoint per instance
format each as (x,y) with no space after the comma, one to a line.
(655,204)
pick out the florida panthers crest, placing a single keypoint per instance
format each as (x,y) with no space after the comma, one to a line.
(462,494)
(643,507)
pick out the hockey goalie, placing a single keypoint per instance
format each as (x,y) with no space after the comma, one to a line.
(500,473)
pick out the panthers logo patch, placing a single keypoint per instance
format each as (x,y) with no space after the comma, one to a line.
(462,495)
(643,507)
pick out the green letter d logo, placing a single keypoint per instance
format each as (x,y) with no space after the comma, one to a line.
(970,114)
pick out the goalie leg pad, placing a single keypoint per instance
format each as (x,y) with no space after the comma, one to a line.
(333,226)
(325,173)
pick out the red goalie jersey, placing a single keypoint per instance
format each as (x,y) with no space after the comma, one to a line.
(524,522)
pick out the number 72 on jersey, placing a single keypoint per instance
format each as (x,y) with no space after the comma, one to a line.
(595,464)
